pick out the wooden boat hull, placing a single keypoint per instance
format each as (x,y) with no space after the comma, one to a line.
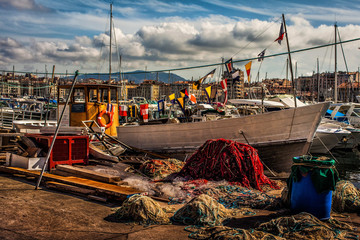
(284,134)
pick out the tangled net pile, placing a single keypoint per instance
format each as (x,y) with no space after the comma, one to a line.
(159,169)
(306,226)
(203,211)
(300,226)
(346,197)
(234,197)
(222,232)
(227,160)
(143,210)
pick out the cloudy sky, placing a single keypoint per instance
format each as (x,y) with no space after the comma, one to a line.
(172,34)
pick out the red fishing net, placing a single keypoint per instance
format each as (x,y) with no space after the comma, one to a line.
(228,160)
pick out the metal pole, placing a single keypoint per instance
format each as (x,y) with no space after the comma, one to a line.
(290,63)
(336,87)
(48,103)
(57,130)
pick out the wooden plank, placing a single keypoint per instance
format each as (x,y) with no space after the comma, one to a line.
(109,189)
(90,174)
(69,188)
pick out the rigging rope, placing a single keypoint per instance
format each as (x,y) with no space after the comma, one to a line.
(213,64)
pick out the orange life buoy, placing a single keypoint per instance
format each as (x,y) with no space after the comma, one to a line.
(110,115)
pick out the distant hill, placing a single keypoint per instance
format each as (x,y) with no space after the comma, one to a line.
(136,76)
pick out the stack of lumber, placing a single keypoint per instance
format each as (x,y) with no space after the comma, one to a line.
(80,181)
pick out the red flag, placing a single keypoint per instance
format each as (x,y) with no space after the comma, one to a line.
(281,34)
(224,87)
(144,111)
(123,110)
(229,66)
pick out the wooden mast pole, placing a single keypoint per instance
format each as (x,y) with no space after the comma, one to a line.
(110,42)
(290,63)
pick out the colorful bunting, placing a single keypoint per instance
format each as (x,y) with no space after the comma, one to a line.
(193,98)
(181,103)
(184,93)
(229,66)
(208,92)
(196,84)
(261,55)
(172,98)
(225,89)
(248,68)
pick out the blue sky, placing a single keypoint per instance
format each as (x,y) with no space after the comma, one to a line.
(156,34)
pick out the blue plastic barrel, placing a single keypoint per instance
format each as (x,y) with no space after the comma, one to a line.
(305,198)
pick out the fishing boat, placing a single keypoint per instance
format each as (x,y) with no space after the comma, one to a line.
(328,136)
(278,136)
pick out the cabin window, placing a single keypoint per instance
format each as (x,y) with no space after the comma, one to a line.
(104,95)
(113,95)
(79,95)
(64,93)
(93,95)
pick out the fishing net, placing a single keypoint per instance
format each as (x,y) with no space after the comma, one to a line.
(203,211)
(306,226)
(159,169)
(346,197)
(143,210)
(227,160)
(230,195)
(222,233)
(235,197)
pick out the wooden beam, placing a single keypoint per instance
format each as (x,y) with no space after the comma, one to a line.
(89,174)
(101,188)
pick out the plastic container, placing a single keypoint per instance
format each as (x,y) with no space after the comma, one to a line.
(305,198)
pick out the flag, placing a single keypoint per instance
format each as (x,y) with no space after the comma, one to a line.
(181,104)
(261,55)
(248,68)
(196,84)
(235,76)
(184,93)
(172,98)
(281,34)
(123,110)
(161,106)
(229,65)
(208,92)
(133,111)
(224,87)
(144,111)
(193,98)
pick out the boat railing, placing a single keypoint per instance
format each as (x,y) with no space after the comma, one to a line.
(7,116)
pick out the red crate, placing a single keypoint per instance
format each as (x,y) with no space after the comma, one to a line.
(67,149)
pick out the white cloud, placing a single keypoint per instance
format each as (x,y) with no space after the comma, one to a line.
(22,5)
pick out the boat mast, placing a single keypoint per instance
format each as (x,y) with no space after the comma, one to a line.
(290,63)
(336,87)
(110,42)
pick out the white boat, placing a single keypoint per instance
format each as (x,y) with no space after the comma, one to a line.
(278,135)
(346,112)
(328,136)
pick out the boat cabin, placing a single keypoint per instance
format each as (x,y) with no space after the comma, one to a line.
(98,102)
